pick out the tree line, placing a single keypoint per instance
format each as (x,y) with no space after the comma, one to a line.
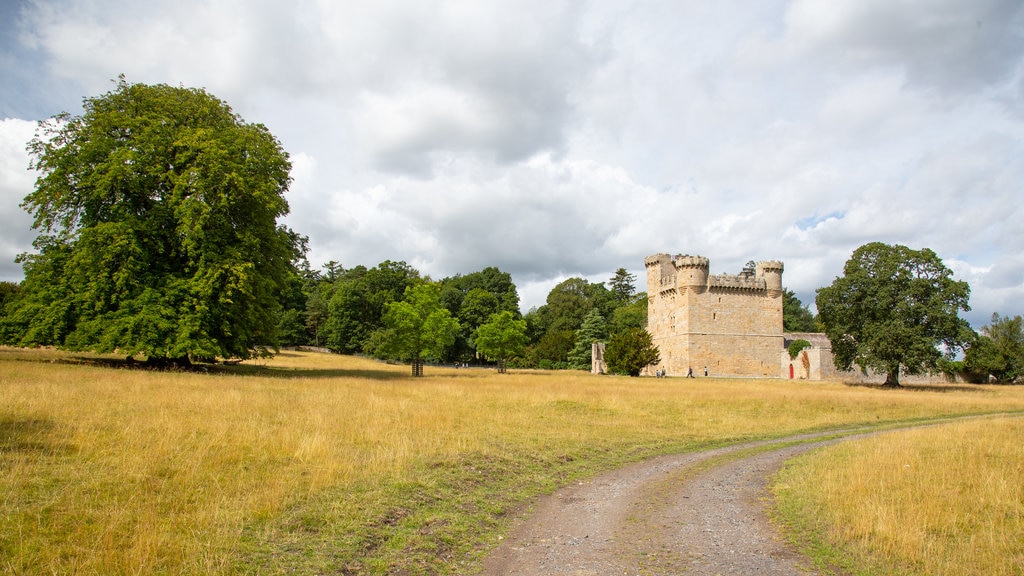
(347,311)
(157,215)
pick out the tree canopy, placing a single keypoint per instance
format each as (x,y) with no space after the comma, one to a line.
(631,351)
(501,337)
(894,308)
(418,327)
(998,351)
(795,316)
(157,210)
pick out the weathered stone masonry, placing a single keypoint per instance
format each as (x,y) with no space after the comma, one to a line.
(729,323)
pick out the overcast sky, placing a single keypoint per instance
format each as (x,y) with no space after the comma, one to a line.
(556,139)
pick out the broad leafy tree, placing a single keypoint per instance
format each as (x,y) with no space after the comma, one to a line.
(894,309)
(158,213)
(630,352)
(631,315)
(418,327)
(501,337)
(472,299)
(8,293)
(358,298)
(998,351)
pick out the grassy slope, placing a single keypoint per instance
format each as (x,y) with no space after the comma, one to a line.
(938,500)
(314,463)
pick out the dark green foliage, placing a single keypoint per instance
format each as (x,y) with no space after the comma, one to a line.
(893,309)
(157,210)
(9,291)
(501,337)
(594,329)
(630,352)
(631,315)
(418,327)
(998,351)
(622,286)
(554,347)
(795,316)
(358,299)
(472,299)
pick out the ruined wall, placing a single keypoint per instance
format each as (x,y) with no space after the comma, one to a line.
(730,324)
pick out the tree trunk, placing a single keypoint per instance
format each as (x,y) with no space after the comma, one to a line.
(892,379)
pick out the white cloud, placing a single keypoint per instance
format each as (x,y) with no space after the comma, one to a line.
(554,139)
(15,182)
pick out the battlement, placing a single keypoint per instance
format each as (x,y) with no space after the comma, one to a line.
(685,272)
(737,282)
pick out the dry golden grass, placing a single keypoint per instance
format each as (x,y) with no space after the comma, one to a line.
(936,500)
(118,471)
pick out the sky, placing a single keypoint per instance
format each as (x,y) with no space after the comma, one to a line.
(555,139)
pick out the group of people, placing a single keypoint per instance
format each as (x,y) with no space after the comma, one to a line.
(661,372)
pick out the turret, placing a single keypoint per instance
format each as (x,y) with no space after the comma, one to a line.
(771,272)
(692,273)
(659,273)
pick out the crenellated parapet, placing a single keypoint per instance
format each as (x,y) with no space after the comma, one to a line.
(683,273)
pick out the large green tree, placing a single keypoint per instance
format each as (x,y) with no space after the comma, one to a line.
(501,337)
(894,309)
(358,299)
(158,213)
(418,327)
(998,351)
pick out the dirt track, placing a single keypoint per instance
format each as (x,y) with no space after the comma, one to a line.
(699,513)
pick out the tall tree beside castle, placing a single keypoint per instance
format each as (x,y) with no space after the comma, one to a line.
(594,329)
(795,316)
(158,214)
(631,351)
(894,309)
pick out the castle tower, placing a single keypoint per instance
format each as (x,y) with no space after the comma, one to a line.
(771,272)
(729,323)
(692,273)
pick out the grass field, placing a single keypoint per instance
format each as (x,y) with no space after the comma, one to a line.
(937,500)
(314,463)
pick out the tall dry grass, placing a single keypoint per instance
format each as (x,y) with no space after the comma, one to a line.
(936,500)
(117,471)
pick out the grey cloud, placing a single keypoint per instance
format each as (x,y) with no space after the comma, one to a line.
(951,45)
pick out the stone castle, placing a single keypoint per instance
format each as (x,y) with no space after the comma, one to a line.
(724,324)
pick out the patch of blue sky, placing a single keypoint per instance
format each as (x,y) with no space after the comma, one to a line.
(812,221)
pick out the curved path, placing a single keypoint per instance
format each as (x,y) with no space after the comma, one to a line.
(696,513)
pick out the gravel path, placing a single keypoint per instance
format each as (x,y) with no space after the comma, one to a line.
(698,513)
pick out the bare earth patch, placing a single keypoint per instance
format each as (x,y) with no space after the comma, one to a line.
(698,513)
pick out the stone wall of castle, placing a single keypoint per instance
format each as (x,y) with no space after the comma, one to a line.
(729,324)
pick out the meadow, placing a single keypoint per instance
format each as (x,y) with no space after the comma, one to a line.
(312,463)
(936,500)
